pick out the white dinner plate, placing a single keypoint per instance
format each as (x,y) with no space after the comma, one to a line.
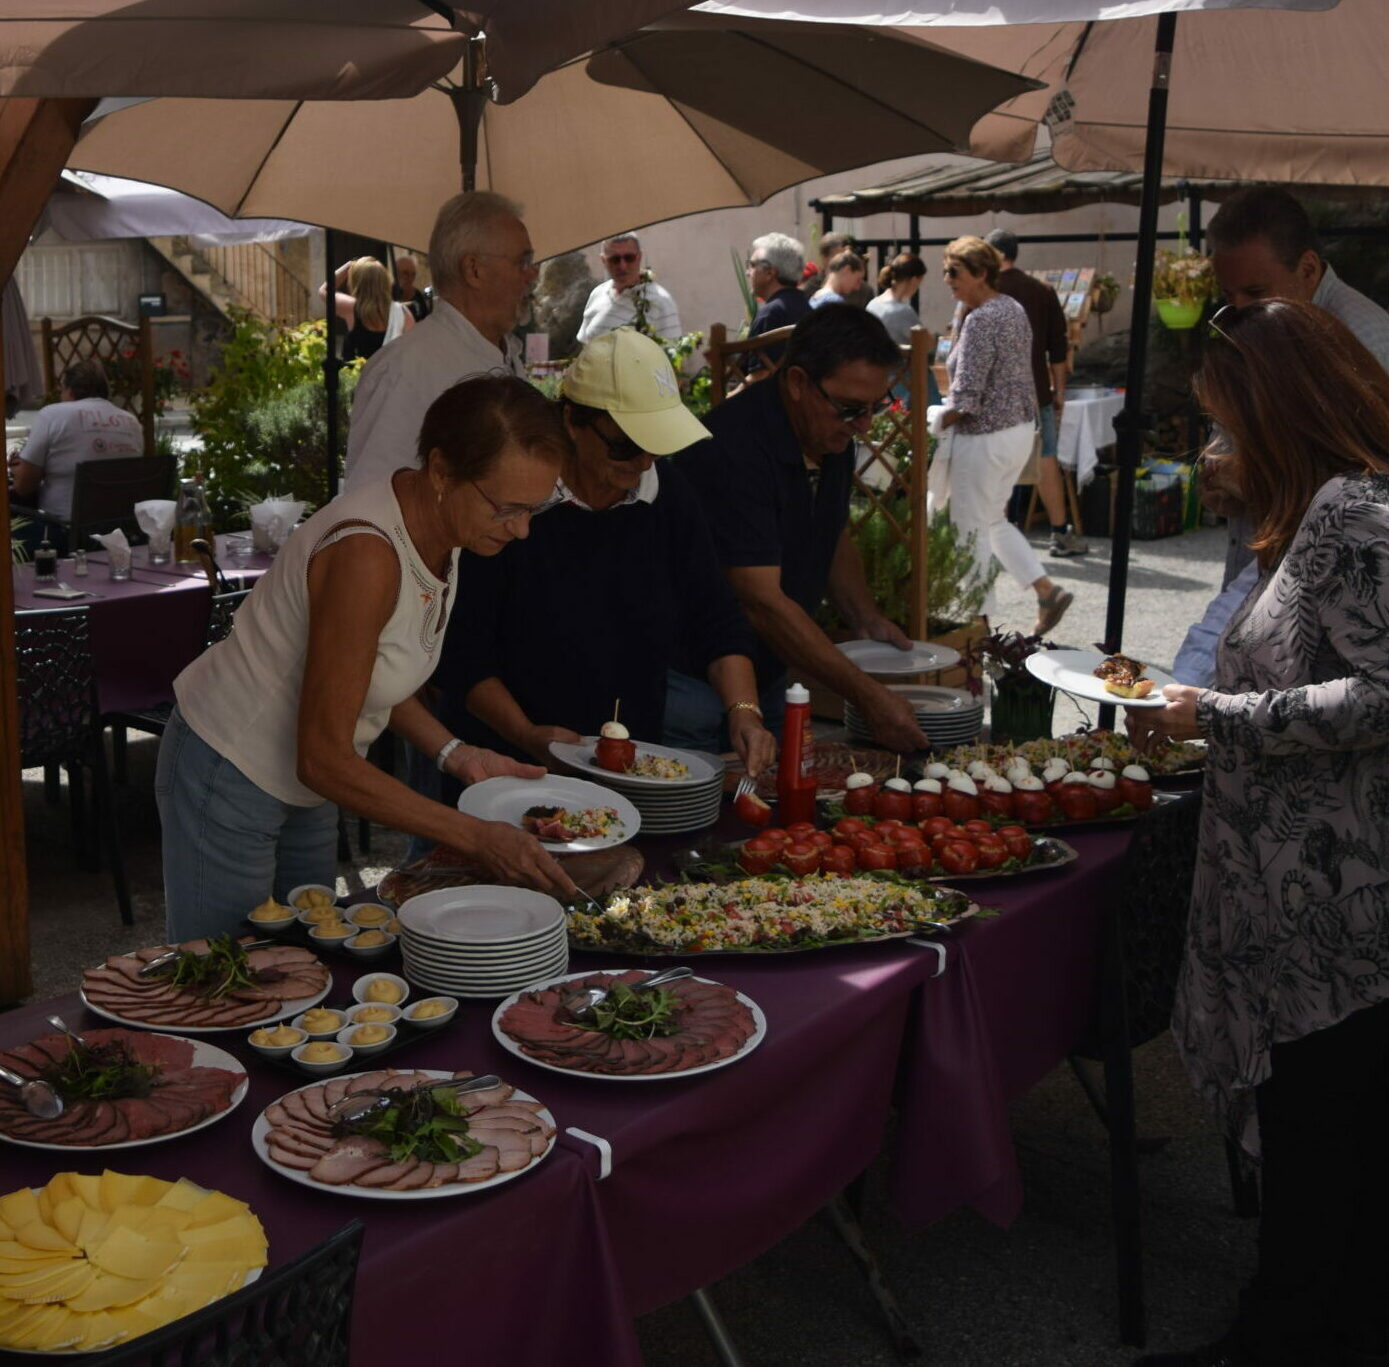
(205,1055)
(262,1127)
(481,914)
(1073,671)
(486,972)
(703,768)
(508,799)
(282,1012)
(878,657)
(512,1047)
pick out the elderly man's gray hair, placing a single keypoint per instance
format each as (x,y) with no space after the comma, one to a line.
(466,223)
(783,254)
(620,237)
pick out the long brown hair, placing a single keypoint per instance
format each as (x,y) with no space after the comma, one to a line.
(1302,401)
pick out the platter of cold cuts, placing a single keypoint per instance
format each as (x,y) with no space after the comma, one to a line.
(428,1142)
(209,985)
(121,1089)
(676,1030)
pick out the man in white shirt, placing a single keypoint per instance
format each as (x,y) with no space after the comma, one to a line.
(484,271)
(84,425)
(629,298)
(1263,246)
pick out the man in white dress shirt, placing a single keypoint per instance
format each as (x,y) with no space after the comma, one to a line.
(484,271)
(627,298)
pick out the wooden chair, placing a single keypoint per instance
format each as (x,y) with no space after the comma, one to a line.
(721,351)
(299,1315)
(105,492)
(116,345)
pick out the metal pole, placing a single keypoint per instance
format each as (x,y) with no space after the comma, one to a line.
(469,101)
(1129,426)
(331,365)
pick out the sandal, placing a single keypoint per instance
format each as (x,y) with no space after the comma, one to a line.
(1052,608)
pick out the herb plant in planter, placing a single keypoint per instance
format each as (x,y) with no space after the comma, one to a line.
(1020,704)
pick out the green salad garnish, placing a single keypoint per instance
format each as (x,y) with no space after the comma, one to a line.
(100,1072)
(222,969)
(628,1014)
(428,1124)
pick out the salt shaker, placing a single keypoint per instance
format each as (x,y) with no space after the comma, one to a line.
(79,564)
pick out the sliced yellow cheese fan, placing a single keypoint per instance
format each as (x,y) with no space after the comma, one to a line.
(88,1261)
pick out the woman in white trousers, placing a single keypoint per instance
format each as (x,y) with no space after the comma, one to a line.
(990,414)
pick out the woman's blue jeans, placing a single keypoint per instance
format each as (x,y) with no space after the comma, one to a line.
(228,845)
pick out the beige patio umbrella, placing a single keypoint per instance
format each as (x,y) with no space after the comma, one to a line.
(693,114)
(299,50)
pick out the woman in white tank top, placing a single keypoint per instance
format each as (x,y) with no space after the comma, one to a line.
(273,724)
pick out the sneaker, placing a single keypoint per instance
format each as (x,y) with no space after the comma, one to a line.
(1068,543)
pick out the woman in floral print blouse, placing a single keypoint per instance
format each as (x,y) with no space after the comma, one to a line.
(1282,1012)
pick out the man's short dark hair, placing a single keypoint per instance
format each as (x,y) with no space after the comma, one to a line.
(1004,243)
(839,334)
(1264,211)
(86,380)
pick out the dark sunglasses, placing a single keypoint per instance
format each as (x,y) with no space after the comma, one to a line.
(619,448)
(951,272)
(623,258)
(1215,328)
(854,412)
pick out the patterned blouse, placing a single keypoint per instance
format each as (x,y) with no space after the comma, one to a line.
(990,368)
(1289,929)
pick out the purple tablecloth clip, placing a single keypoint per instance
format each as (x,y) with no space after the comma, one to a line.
(605,1150)
(941,953)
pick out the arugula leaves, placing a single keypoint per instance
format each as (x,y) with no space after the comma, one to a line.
(428,1123)
(100,1072)
(222,969)
(628,1014)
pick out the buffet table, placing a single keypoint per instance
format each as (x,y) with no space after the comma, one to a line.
(704,1173)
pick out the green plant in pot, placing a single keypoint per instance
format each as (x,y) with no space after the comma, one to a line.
(1183,284)
(1020,704)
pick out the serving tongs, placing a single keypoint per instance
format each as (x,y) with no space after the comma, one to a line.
(582,1003)
(161,962)
(359,1105)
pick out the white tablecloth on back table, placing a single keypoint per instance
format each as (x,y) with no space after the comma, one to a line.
(1086,425)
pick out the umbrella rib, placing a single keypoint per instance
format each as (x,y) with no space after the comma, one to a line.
(269,152)
(848,85)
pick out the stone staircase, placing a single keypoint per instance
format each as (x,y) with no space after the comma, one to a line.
(247,275)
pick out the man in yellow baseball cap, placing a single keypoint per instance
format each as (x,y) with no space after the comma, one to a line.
(614,584)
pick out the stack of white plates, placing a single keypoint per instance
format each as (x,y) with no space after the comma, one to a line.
(949,716)
(482,941)
(668,806)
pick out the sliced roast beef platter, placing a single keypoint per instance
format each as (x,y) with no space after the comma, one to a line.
(120,1089)
(218,985)
(428,1143)
(692,1026)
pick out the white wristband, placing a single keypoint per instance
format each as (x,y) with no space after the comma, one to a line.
(445,750)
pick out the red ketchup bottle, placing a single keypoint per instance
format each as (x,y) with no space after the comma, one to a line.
(795,784)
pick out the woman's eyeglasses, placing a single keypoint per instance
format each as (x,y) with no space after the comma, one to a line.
(507,512)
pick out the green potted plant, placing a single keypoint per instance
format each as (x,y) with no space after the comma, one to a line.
(1106,293)
(1020,704)
(1183,283)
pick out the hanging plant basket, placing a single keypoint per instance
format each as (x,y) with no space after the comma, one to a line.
(1178,315)
(1104,300)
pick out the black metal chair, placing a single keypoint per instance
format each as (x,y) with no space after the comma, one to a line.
(1144,940)
(153,720)
(105,492)
(299,1315)
(58,722)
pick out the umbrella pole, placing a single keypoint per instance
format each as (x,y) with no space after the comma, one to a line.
(1130,424)
(469,100)
(331,366)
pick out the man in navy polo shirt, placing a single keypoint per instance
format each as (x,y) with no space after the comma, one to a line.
(774,270)
(775,480)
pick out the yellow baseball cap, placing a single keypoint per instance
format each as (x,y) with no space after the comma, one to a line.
(629,377)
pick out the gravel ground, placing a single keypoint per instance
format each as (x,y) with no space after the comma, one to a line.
(1039,1294)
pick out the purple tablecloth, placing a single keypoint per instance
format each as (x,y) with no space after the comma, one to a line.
(145,629)
(710,1171)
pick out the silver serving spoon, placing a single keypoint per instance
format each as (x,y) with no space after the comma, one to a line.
(583,1002)
(164,960)
(59,1024)
(361,1104)
(37,1096)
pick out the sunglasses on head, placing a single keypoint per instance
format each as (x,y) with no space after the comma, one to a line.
(849,412)
(622,258)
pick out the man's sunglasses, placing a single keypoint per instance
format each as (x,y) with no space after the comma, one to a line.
(754,262)
(850,413)
(623,258)
(620,447)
